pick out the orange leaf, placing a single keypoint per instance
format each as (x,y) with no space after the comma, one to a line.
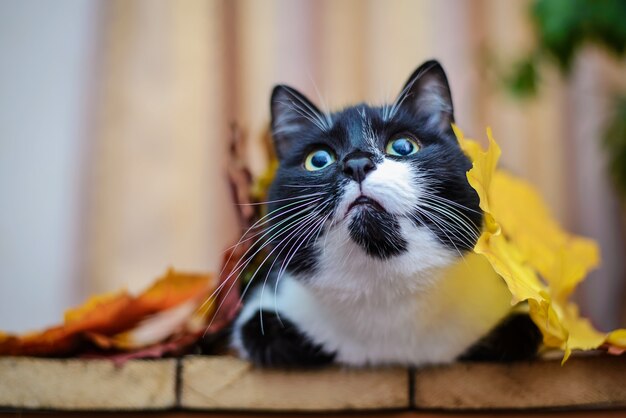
(172,289)
(108,315)
(152,330)
(100,313)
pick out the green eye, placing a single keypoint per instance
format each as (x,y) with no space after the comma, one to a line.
(401,147)
(318,159)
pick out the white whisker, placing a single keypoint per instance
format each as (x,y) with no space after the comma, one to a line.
(241,265)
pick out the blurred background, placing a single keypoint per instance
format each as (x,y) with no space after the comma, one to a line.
(115,115)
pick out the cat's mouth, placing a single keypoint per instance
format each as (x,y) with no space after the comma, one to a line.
(365,202)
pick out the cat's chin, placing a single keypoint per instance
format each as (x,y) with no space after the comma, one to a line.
(376,231)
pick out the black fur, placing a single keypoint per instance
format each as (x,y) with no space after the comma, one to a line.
(516,338)
(377,232)
(278,343)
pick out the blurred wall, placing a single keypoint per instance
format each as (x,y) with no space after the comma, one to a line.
(172,75)
(46,66)
(158,193)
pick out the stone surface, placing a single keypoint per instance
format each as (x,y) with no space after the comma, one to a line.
(588,381)
(230,383)
(86,384)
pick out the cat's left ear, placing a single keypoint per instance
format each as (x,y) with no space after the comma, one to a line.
(427,95)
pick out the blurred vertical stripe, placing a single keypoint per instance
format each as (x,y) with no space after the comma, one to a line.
(159,196)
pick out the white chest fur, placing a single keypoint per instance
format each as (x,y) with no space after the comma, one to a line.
(370,315)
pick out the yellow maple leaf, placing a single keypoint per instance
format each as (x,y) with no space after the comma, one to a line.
(539,261)
(505,258)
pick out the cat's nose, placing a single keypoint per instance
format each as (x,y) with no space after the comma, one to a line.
(358,168)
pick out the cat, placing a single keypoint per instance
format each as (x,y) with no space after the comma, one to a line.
(369,207)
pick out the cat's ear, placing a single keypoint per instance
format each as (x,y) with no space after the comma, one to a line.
(292,116)
(427,95)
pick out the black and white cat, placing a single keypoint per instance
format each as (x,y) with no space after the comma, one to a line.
(369,207)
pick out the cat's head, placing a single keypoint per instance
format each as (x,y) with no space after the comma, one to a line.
(387,182)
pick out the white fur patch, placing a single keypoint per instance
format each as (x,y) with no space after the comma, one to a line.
(392,184)
(413,328)
(347,271)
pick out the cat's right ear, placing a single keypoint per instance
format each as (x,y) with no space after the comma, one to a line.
(292,116)
(427,96)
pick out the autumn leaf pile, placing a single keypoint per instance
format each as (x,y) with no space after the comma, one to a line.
(540,262)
